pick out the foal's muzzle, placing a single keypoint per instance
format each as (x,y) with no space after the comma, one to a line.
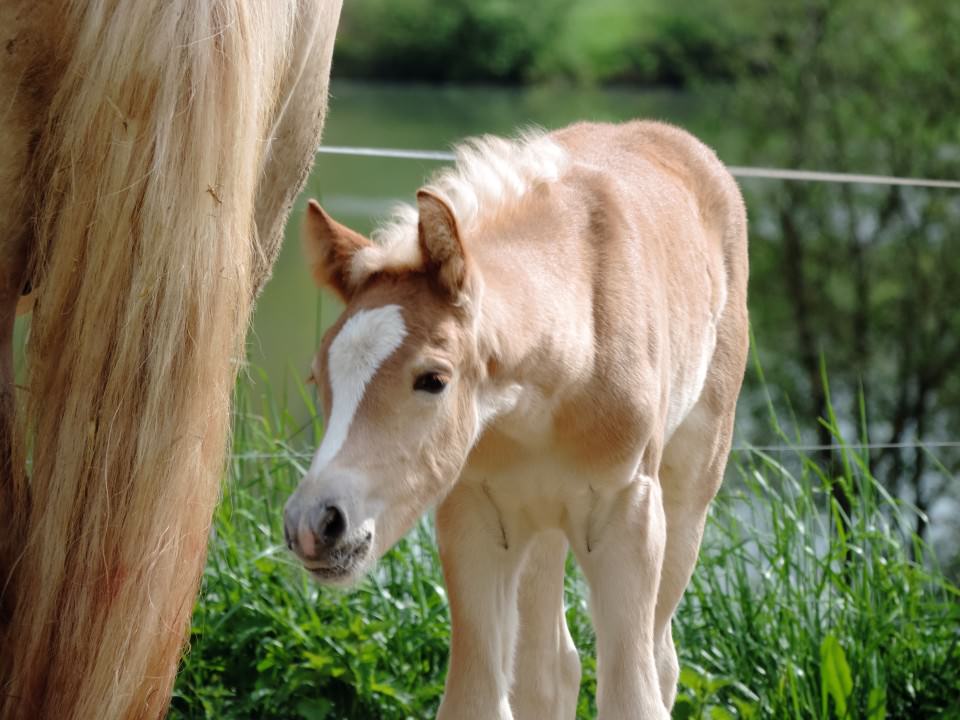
(314,531)
(322,536)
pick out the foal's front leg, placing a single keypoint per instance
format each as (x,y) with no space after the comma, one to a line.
(481,555)
(546,679)
(620,546)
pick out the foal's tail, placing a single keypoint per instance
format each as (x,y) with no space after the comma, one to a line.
(146,263)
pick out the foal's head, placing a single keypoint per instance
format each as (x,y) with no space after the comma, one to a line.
(398,376)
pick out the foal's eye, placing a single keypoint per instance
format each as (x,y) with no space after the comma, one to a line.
(431,382)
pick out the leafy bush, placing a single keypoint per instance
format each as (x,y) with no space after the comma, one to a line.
(456,40)
(504,41)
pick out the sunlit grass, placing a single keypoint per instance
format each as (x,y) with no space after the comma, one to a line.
(795,611)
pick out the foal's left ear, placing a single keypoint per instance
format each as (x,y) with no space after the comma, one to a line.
(330,248)
(440,244)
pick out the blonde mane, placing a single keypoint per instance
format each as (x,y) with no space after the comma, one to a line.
(491,175)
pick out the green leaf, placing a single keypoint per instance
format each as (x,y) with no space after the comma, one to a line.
(317,661)
(835,677)
(684,708)
(691,678)
(746,708)
(314,709)
(877,704)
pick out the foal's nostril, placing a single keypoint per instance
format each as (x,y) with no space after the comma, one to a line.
(315,532)
(290,520)
(331,525)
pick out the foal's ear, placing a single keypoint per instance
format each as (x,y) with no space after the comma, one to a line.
(440,243)
(330,247)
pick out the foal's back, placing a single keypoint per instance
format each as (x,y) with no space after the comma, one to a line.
(659,229)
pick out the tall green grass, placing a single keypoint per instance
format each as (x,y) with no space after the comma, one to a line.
(795,610)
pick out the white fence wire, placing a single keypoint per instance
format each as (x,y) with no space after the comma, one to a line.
(737,170)
(762,173)
(765,449)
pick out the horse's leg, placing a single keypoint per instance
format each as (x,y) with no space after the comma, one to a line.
(691,472)
(481,556)
(295,135)
(620,548)
(547,668)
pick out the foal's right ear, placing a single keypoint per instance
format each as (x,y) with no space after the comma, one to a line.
(330,247)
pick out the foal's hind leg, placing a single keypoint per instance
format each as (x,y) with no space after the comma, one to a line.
(547,668)
(691,473)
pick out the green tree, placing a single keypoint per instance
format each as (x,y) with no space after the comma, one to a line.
(646,41)
(864,276)
(455,40)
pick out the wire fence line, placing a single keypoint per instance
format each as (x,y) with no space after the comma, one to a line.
(761,173)
(932,445)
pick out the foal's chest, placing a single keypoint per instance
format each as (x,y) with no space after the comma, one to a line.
(540,488)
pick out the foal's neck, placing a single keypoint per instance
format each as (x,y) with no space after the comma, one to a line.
(536,322)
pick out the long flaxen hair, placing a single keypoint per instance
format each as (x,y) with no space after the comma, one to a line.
(166,119)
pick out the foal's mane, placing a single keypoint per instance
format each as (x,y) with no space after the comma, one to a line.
(491,175)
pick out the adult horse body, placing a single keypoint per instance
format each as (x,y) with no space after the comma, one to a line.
(551,345)
(151,153)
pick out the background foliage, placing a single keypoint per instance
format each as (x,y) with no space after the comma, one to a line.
(644,41)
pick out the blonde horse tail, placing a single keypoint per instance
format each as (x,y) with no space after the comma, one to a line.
(161,128)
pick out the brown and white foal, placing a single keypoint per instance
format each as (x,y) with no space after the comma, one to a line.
(550,346)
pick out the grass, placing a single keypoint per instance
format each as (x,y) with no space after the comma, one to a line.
(795,611)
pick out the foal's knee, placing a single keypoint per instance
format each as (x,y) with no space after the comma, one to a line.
(569,674)
(550,689)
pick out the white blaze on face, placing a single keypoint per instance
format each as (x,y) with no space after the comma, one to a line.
(356,353)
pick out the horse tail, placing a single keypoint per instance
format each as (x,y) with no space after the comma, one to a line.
(146,263)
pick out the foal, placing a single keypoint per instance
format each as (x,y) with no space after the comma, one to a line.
(550,346)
